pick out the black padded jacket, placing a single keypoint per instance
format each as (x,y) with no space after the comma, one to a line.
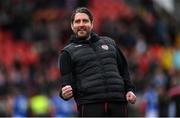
(96,69)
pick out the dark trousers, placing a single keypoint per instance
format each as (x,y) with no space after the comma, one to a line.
(105,109)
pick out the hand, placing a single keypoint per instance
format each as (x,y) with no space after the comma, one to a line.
(67,92)
(131,97)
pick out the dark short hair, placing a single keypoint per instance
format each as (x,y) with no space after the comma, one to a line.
(82,10)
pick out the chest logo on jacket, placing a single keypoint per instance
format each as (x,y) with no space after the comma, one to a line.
(78,46)
(105,47)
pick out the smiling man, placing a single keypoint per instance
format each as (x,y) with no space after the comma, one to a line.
(82,25)
(94,71)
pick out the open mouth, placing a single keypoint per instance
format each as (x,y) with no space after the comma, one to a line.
(83,29)
(82,32)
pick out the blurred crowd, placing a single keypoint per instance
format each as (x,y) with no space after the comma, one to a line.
(33,32)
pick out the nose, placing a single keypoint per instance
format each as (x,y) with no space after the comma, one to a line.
(81,23)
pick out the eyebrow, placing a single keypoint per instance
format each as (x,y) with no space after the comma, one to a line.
(76,20)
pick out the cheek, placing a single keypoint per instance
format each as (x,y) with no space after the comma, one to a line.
(89,27)
(74,28)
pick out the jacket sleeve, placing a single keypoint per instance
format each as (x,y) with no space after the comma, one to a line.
(123,70)
(65,67)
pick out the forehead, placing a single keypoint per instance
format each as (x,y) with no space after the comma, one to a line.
(81,16)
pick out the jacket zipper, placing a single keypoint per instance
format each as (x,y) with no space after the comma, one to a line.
(99,64)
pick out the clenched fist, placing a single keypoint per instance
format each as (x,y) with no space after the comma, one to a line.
(131,97)
(67,92)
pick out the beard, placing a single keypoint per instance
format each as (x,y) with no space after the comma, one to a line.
(82,34)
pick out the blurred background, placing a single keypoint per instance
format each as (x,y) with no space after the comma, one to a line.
(33,32)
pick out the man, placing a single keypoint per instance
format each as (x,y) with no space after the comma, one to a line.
(94,71)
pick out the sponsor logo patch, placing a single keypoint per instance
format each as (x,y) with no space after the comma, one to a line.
(105,47)
(78,46)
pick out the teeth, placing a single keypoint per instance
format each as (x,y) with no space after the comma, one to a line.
(82,29)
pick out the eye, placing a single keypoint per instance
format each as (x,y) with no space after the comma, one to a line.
(77,21)
(85,20)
